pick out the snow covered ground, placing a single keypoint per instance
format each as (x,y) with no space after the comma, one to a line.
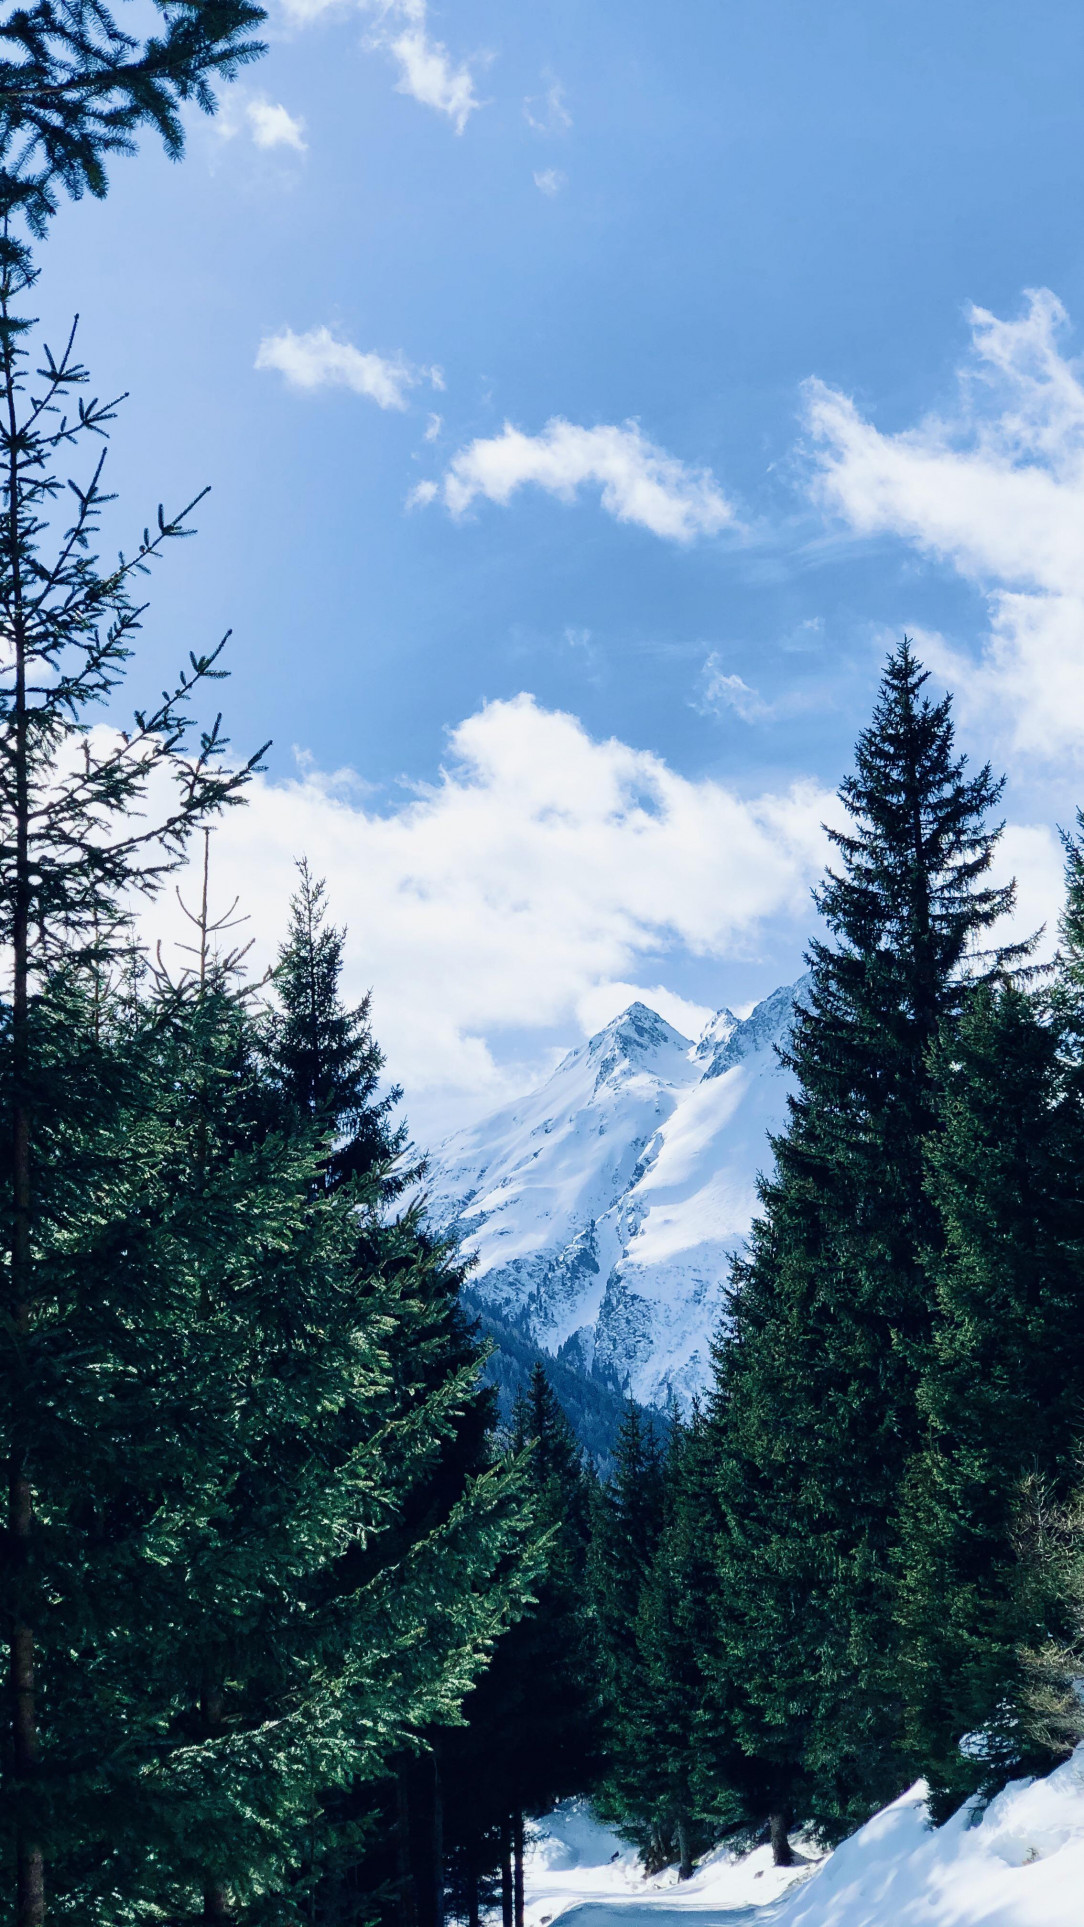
(581,1871)
(1019,1864)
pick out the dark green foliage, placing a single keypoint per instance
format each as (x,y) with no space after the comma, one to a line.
(629,1521)
(247,1609)
(76,89)
(1002,1391)
(377,1846)
(594,1410)
(533,1731)
(324,1057)
(817,1415)
(678,1783)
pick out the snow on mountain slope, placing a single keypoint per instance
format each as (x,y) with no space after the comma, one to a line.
(602,1207)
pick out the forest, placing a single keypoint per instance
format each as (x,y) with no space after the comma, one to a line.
(297,1630)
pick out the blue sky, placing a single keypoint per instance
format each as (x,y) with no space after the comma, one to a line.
(418,237)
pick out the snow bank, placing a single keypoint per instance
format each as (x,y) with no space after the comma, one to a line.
(574,1861)
(1021,1865)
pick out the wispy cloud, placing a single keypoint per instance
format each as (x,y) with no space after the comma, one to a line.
(427,71)
(550,180)
(317,360)
(720,692)
(267,122)
(547,113)
(638,482)
(995,487)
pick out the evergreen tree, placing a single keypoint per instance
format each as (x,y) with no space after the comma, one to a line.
(74,851)
(532,1732)
(629,1522)
(382,1844)
(675,1633)
(245,1616)
(323,1056)
(817,1416)
(75,89)
(1002,1388)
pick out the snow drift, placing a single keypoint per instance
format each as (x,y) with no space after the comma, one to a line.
(1019,1863)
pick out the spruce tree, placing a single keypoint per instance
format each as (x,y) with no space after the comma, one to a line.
(532,1734)
(817,1413)
(1002,1387)
(323,1056)
(675,1634)
(630,1516)
(74,851)
(75,90)
(246,1616)
(383,1838)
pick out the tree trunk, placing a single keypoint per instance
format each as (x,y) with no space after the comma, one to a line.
(685,1858)
(216,1904)
(25,1752)
(404,1872)
(438,1844)
(517,1848)
(779,1829)
(473,1908)
(506,1874)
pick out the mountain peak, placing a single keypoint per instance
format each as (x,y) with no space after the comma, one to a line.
(638,1037)
(767,1024)
(718,1030)
(602,1209)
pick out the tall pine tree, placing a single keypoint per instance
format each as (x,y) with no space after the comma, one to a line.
(817,1415)
(630,1518)
(533,1724)
(1001,1391)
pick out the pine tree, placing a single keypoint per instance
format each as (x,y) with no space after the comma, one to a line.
(675,1635)
(532,1734)
(248,1615)
(629,1523)
(323,1056)
(74,852)
(75,89)
(817,1415)
(1002,1389)
(324,1065)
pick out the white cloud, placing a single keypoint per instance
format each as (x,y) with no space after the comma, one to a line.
(272,126)
(720,692)
(547,113)
(996,488)
(427,71)
(433,427)
(639,482)
(550,180)
(267,121)
(542,865)
(317,360)
(1031,854)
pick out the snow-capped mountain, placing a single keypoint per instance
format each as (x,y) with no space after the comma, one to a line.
(602,1207)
